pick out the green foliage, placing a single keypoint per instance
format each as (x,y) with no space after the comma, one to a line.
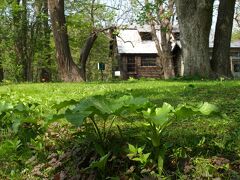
(96,107)
(101,163)
(136,154)
(188,135)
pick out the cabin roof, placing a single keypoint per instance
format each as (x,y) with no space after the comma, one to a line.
(129,41)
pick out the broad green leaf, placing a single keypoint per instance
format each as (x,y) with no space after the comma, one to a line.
(21,107)
(160,116)
(184,110)
(102,105)
(77,118)
(205,108)
(53,118)
(208,108)
(99,149)
(16,124)
(138,101)
(64,104)
(4,106)
(101,163)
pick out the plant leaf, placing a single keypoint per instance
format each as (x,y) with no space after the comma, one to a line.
(77,118)
(101,163)
(4,106)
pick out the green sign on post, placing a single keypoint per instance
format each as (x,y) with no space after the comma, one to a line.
(101,66)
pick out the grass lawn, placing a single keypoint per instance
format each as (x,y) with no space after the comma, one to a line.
(197,146)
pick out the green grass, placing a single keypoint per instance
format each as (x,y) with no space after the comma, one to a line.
(201,139)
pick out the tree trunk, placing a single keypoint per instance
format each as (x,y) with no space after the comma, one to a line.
(85,51)
(1,73)
(167,60)
(26,60)
(20,38)
(195,19)
(68,70)
(45,72)
(221,52)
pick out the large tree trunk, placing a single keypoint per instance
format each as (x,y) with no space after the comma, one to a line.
(85,51)
(22,46)
(47,31)
(1,73)
(20,30)
(220,59)
(195,19)
(168,67)
(68,70)
(45,62)
(167,60)
(27,60)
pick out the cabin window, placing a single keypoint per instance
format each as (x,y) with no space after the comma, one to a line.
(146,36)
(235,54)
(236,68)
(148,61)
(131,65)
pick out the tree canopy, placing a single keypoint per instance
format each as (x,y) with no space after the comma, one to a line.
(80,33)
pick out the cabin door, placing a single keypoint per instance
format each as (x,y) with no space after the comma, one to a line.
(131,65)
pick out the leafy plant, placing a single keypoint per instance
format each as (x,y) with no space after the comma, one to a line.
(158,119)
(98,108)
(100,164)
(136,154)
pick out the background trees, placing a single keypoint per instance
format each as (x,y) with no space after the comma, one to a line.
(28,50)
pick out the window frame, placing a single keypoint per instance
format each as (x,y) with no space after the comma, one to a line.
(146,36)
(133,64)
(147,63)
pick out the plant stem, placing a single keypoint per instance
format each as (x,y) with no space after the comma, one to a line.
(97,130)
(110,125)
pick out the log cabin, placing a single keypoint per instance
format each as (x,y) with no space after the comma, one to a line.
(137,53)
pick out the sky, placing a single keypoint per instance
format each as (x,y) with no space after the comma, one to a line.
(124,5)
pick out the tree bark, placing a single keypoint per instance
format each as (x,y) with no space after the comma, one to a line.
(45,72)
(221,51)
(85,51)
(20,30)
(195,19)
(68,70)
(1,73)
(26,60)
(167,61)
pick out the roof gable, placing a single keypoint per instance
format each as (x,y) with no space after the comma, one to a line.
(129,41)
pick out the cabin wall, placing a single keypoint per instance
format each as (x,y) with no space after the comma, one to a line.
(139,71)
(155,71)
